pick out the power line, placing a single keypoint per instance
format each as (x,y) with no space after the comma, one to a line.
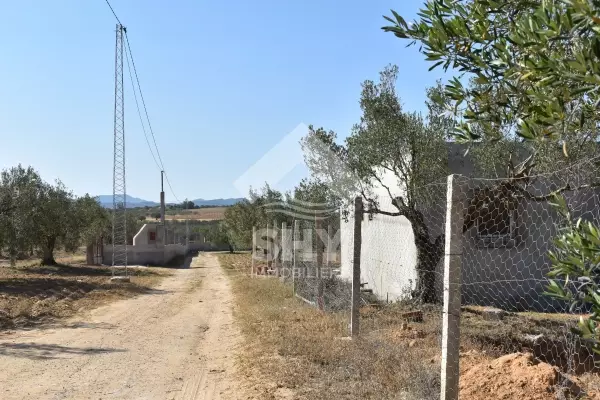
(171,188)
(143,101)
(139,86)
(129,54)
(113,11)
(140,113)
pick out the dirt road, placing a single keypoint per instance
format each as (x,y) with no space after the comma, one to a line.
(176,343)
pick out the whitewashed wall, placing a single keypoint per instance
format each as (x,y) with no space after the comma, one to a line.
(388,256)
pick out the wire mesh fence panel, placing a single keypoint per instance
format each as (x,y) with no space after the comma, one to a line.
(317,266)
(306,280)
(402,284)
(501,283)
(457,275)
(510,230)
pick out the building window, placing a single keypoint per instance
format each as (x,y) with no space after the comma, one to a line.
(152,236)
(497,227)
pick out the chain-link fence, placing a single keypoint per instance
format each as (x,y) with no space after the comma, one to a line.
(467,271)
(459,280)
(315,259)
(305,254)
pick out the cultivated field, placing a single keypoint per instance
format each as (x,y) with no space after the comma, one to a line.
(198,214)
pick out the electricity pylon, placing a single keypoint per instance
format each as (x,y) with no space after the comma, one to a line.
(119,231)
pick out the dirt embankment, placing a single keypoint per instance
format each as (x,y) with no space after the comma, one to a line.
(520,376)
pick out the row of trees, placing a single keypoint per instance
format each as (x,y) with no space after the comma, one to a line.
(403,152)
(266,205)
(37,218)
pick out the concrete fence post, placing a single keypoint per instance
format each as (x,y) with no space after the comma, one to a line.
(295,235)
(276,249)
(269,253)
(329,248)
(252,267)
(452,289)
(355,308)
(319,266)
(285,251)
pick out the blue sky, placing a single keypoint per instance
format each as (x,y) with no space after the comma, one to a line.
(223,81)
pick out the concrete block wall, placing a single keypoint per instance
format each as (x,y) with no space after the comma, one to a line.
(147,254)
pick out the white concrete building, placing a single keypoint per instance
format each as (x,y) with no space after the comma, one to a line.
(389,255)
(504,264)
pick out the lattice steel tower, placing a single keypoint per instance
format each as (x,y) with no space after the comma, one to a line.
(119,232)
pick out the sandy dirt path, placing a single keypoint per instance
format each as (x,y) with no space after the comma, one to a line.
(175,343)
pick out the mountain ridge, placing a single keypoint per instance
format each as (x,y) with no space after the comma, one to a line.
(106,200)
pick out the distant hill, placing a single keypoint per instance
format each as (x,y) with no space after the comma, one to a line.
(106,200)
(218,202)
(132,202)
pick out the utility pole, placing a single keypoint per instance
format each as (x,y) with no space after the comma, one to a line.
(119,228)
(162,207)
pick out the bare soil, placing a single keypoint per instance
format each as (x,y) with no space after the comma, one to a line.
(175,342)
(519,376)
(32,294)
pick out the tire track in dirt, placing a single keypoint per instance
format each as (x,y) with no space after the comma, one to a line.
(176,343)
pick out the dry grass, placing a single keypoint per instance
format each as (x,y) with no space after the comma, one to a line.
(34,294)
(294,349)
(199,214)
(60,256)
(301,350)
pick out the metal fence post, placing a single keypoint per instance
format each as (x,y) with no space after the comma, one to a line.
(452,290)
(355,311)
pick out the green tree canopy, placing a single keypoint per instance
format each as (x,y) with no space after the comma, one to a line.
(535,63)
(42,217)
(392,149)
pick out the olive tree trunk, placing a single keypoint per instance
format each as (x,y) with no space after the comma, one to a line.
(48,252)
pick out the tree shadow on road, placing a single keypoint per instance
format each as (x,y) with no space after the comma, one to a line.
(81,270)
(44,287)
(52,323)
(35,351)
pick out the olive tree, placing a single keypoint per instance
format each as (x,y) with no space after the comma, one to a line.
(239,220)
(20,190)
(56,221)
(537,62)
(388,142)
